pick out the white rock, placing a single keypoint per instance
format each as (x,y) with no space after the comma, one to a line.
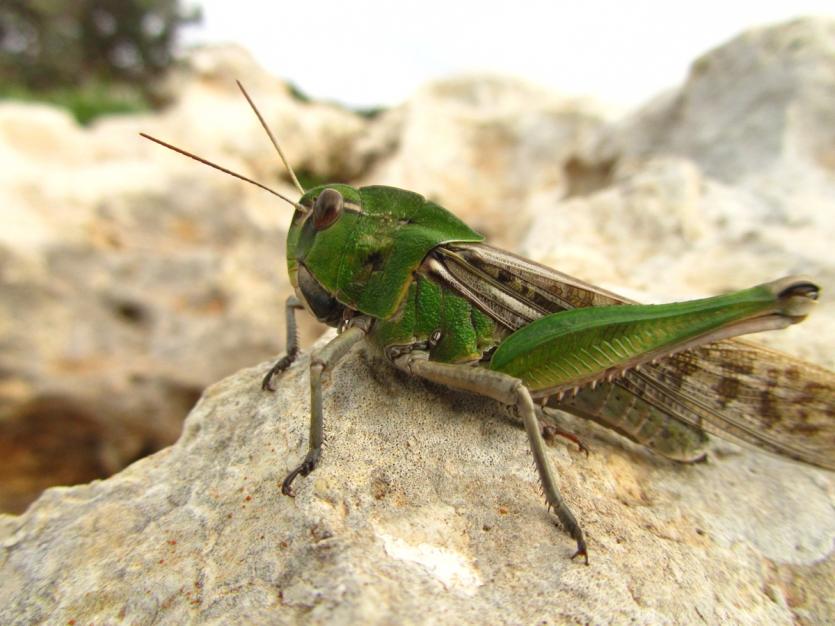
(755,113)
(481,146)
(425,509)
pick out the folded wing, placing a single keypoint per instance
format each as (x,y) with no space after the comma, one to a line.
(730,388)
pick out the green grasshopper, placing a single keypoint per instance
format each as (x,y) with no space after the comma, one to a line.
(421,288)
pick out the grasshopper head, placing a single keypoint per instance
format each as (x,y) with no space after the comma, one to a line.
(357,250)
(317,234)
(320,227)
(350,250)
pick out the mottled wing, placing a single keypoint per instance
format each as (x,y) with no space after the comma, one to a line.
(747,393)
(730,388)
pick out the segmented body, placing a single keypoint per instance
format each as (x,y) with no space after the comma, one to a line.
(447,293)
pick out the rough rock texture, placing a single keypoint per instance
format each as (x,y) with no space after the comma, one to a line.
(130,279)
(755,113)
(425,509)
(134,278)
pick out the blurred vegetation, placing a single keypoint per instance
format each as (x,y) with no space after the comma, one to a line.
(369,113)
(86,102)
(297,94)
(91,56)
(309,179)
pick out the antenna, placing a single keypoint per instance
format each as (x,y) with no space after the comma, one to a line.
(272,138)
(298,206)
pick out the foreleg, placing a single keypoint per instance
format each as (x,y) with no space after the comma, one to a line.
(290,307)
(321,361)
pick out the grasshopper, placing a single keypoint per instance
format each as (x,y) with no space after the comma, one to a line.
(387,267)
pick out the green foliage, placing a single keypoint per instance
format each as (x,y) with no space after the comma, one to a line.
(93,56)
(309,179)
(370,113)
(297,93)
(86,102)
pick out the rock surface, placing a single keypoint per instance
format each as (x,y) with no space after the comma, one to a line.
(425,509)
(134,279)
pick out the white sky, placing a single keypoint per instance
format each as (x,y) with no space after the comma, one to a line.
(373,52)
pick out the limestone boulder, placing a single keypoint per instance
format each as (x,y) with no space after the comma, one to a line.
(755,113)
(483,145)
(425,509)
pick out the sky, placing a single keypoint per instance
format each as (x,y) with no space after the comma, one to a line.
(366,53)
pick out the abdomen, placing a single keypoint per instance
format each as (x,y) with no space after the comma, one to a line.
(637,419)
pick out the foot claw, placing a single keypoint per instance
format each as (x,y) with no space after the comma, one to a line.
(550,433)
(287,485)
(267,383)
(280,366)
(306,466)
(581,551)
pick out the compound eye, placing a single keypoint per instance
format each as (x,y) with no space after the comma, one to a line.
(327,209)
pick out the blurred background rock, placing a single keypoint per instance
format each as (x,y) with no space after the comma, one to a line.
(131,278)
